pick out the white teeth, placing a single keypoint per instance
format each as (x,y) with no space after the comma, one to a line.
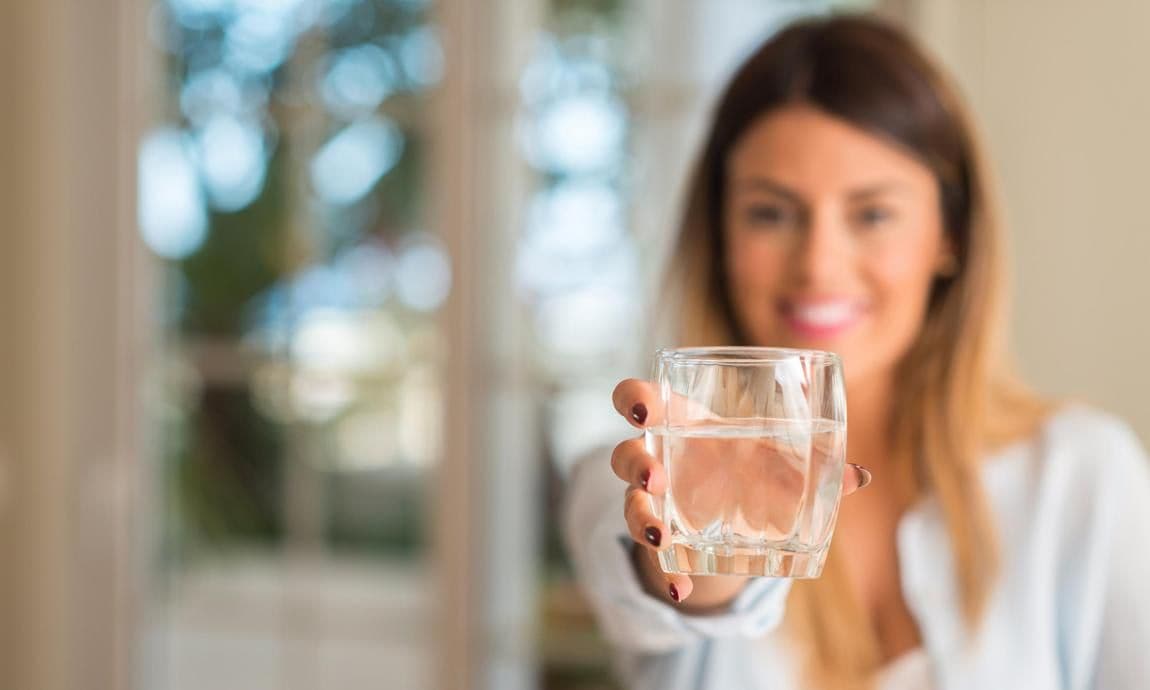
(825,314)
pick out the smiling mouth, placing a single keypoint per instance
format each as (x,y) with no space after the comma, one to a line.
(822,318)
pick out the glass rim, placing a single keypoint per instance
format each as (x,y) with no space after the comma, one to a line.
(743,355)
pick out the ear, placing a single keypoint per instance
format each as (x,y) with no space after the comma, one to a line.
(946,263)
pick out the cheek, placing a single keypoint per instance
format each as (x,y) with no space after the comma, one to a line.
(751,264)
(904,271)
(755,272)
(901,280)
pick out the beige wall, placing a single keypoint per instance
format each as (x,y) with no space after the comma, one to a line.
(1062,90)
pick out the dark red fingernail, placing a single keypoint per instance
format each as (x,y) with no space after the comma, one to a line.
(644,478)
(674,592)
(639,413)
(653,536)
(864,475)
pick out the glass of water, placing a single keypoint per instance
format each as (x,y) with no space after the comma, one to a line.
(753,441)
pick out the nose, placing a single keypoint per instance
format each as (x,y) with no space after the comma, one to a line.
(821,256)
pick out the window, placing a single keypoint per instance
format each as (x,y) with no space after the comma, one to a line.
(297,391)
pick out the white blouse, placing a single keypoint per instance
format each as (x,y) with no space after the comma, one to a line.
(910,671)
(1071,608)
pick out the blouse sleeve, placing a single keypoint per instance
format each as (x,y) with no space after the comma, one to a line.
(632,620)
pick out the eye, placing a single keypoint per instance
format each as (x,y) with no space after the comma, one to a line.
(873,216)
(769,215)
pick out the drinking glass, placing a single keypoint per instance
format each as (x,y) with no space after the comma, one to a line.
(753,441)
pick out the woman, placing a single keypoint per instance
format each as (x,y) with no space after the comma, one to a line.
(841,203)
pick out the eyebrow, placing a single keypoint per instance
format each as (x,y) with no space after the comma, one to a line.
(764,184)
(768,185)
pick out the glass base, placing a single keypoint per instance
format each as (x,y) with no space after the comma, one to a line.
(725,559)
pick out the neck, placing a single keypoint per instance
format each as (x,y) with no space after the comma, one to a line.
(869,406)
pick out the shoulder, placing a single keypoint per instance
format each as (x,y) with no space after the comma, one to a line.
(1070,478)
(1090,447)
(1088,524)
(1087,426)
(1085,468)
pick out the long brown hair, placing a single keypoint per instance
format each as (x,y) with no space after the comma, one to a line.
(955,398)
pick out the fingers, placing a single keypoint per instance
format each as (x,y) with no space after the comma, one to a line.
(634,465)
(679,587)
(673,587)
(650,532)
(638,401)
(641,404)
(855,477)
(642,524)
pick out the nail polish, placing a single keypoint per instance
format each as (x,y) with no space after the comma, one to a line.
(639,413)
(864,475)
(674,592)
(653,536)
(644,479)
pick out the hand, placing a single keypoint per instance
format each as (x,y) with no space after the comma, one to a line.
(736,491)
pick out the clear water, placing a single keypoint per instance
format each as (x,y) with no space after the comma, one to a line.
(750,496)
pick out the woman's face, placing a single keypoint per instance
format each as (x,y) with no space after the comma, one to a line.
(833,238)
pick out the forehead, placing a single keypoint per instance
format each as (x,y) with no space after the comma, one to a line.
(804,148)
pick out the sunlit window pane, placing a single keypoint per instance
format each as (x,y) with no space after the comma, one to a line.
(354,159)
(299,395)
(172,215)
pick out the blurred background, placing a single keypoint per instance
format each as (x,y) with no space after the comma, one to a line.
(309,305)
